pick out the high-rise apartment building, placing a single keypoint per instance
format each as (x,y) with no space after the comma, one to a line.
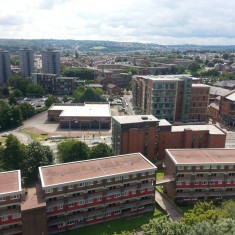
(26,61)
(171,97)
(51,62)
(5,66)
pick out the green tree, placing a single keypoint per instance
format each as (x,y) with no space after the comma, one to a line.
(101,150)
(27,110)
(51,99)
(78,93)
(91,95)
(72,150)
(36,155)
(15,60)
(131,70)
(19,82)
(203,211)
(225,56)
(13,154)
(163,226)
(229,207)
(34,90)
(4,109)
(12,99)
(17,93)
(82,73)
(194,67)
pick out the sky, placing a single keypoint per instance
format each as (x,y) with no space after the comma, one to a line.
(165,22)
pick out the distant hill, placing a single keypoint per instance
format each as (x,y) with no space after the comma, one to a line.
(13,45)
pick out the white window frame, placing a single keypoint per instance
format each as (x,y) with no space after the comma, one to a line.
(16,216)
(179,183)
(60,188)
(117,178)
(213,166)
(230,167)
(71,186)
(180,167)
(49,190)
(71,204)
(126,177)
(81,202)
(14,197)
(60,225)
(71,222)
(60,207)
(81,184)
(189,167)
(4,217)
(206,167)
(2,199)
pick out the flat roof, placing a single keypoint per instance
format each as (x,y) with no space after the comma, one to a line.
(214,130)
(86,110)
(135,119)
(164,122)
(34,199)
(202,156)
(200,85)
(177,77)
(219,91)
(92,169)
(231,96)
(10,182)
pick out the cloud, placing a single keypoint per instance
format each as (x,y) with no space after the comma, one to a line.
(161,21)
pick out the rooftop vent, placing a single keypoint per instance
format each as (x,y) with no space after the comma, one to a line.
(144,118)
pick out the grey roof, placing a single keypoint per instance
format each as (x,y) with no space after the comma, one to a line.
(218,91)
(135,119)
(226,83)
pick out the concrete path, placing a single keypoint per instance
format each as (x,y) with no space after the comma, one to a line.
(168,206)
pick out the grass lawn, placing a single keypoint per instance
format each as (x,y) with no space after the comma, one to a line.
(160,174)
(34,136)
(109,228)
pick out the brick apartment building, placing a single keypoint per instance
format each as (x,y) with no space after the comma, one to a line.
(171,97)
(77,194)
(53,84)
(200,174)
(132,134)
(10,201)
(150,136)
(227,109)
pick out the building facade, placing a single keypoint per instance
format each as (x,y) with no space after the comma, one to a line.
(171,97)
(200,174)
(10,202)
(26,61)
(5,66)
(81,116)
(51,62)
(95,191)
(132,134)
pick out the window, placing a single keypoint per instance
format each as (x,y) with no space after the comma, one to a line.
(70,186)
(89,183)
(134,176)
(71,222)
(71,204)
(198,167)
(4,218)
(107,214)
(222,167)
(60,225)
(117,195)
(99,216)
(60,207)
(187,183)
(213,167)
(109,197)
(188,167)
(16,216)
(99,199)
(206,167)
(180,167)
(117,212)
(178,183)
(89,218)
(15,197)
(204,182)
(99,181)
(81,202)
(2,199)
(49,190)
(118,178)
(60,188)
(220,182)
(51,208)
(230,167)
(196,183)
(126,177)
(151,173)
(124,194)
(82,184)
(143,174)
(142,190)
(109,180)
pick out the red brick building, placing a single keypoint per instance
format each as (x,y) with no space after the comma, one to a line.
(200,174)
(189,136)
(150,136)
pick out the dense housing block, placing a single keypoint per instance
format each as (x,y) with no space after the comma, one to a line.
(81,193)
(200,174)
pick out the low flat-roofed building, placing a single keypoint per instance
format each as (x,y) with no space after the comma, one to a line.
(81,116)
(98,190)
(10,199)
(200,174)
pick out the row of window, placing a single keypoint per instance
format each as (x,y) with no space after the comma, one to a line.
(205,167)
(200,190)
(205,182)
(207,174)
(88,183)
(14,216)
(14,197)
